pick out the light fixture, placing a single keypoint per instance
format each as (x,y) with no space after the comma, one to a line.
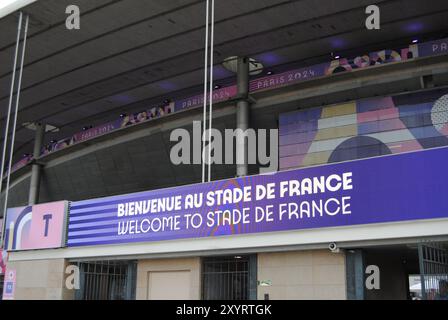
(231,64)
(415,41)
(335,56)
(217,86)
(238,257)
(122,115)
(32,126)
(269,73)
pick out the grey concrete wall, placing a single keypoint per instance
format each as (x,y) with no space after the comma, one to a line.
(41,280)
(393,276)
(18,194)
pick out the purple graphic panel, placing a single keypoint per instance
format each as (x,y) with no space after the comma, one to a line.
(392,188)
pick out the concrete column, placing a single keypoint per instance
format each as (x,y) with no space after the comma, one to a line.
(242,116)
(35,171)
(355,274)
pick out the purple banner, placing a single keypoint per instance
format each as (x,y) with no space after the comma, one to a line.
(335,66)
(433,48)
(219,95)
(23,162)
(289,77)
(125,121)
(96,131)
(385,189)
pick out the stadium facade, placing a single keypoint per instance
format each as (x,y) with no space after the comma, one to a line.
(361,183)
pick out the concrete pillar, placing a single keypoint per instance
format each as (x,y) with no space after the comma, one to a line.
(242,116)
(41,279)
(35,171)
(355,274)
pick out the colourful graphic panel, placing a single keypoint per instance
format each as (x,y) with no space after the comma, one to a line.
(40,226)
(364,128)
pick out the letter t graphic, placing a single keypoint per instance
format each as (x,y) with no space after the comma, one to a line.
(47,218)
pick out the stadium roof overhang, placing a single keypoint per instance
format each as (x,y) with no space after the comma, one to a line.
(131,54)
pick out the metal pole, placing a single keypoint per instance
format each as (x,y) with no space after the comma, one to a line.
(212,34)
(11,94)
(204,120)
(19,84)
(421,263)
(33,196)
(242,116)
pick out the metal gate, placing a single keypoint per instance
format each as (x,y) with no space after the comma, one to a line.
(226,278)
(107,280)
(433,262)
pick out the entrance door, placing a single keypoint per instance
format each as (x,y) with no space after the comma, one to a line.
(170,285)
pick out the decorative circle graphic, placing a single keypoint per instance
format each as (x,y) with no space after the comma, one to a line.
(358,148)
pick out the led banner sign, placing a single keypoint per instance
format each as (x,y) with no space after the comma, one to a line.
(392,188)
